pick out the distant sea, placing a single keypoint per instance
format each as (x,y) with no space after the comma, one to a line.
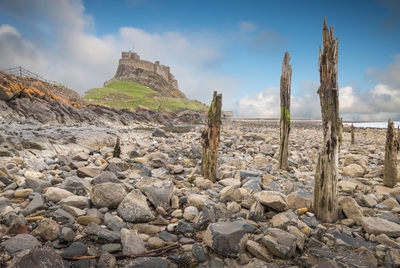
(374,124)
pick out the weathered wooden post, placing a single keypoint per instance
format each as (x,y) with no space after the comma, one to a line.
(210,139)
(325,188)
(340,132)
(352,134)
(286,78)
(398,135)
(117,149)
(391,149)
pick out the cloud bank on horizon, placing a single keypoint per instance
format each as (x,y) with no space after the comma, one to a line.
(64,50)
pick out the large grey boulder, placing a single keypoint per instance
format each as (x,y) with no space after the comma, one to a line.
(377,226)
(36,204)
(284,219)
(351,209)
(132,244)
(84,172)
(150,262)
(353,171)
(45,257)
(4,202)
(76,201)
(102,235)
(134,208)
(107,194)
(258,251)
(272,199)
(342,259)
(256,212)
(76,248)
(299,199)
(224,238)
(158,192)
(357,159)
(77,186)
(280,243)
(105,176)
(37,184)
(56,194)
(20,242)
(114,223)
(47,229)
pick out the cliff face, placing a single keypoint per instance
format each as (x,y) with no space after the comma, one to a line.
(153,75)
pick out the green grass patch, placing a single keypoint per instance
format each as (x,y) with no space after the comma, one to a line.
(129,94)
(179,104)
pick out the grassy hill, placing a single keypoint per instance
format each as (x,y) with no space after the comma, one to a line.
(128,94)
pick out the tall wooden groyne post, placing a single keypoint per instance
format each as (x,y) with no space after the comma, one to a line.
(286,78)
(325,189)
(210,139)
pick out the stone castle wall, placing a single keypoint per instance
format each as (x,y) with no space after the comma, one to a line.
(132,59)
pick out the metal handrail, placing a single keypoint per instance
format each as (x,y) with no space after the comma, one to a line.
(20,71)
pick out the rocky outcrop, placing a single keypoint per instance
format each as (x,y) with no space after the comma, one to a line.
(26,98)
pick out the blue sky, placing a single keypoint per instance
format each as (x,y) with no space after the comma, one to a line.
(232,46)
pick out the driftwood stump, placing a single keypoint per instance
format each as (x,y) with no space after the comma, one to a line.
(286,78)
(352,134)
(325,189)
(210,139)
(117,149)
(391,149)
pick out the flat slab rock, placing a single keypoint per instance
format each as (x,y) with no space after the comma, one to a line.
(377,226)
(343,259)
(272,199)
(150,262)
(20,242)
(45,257)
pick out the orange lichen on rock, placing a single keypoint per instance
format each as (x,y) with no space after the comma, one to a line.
(25,87)
(33,92)
(9,89)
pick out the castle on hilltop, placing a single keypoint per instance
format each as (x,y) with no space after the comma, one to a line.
(132,59)
(153,75)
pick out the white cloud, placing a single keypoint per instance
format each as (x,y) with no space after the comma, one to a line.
(246,26)
(306,104)
(15,51)
(7,29)
(67,53)
(347,99)
(266,104)
(389,75)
